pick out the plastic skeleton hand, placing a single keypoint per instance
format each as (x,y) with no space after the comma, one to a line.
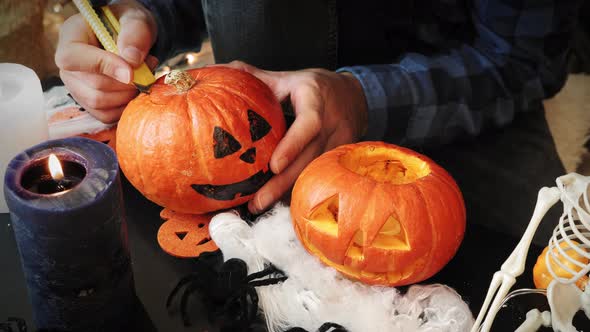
(534,320)
(504,279)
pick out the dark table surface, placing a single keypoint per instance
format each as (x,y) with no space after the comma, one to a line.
(156,273)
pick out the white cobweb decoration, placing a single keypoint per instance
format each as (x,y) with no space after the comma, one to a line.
(314,294)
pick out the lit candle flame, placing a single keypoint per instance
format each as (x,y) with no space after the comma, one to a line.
(191,58)
(55,169)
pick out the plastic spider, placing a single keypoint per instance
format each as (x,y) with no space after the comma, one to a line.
(326,327)
(229,289)
(21,326)
(11,323)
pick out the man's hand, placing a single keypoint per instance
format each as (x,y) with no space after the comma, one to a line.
(97,79)
(330,110)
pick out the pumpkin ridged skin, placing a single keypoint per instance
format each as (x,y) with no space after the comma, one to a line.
(430,209)
(166,138)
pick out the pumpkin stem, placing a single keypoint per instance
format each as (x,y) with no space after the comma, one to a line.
(180,79)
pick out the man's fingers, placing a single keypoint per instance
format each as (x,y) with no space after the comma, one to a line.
(78,89)
(101,100)
(276,81)
(136,37)
(305,128)
(108,116)
(307,125)
(151,61)
(239,65)
(98,81)
(274,189)
(106,83)
(106,106)
(77,51)
(87,58)
(76,30)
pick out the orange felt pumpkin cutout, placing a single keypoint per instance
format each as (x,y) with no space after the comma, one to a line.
(106,136)
(185,235)
(378,213)
(201,140)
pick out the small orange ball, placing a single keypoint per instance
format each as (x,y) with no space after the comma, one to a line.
(541,275)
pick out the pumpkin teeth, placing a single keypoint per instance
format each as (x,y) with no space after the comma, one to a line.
(227,192)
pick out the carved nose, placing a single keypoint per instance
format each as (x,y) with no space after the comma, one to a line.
(249,156)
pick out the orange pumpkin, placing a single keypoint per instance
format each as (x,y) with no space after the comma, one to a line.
(200,140)
(378,213)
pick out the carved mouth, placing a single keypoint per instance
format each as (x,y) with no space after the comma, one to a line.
(228,192)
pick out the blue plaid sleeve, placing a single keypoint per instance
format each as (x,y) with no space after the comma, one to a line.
(181,26)
(517,59)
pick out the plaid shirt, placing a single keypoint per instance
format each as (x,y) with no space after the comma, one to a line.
(516,59)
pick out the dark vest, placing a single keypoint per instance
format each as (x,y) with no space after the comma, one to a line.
(295,34)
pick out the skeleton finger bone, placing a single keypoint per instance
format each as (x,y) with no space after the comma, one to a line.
(514,266)
(534,320)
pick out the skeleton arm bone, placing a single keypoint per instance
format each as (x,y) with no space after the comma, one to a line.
(514,266)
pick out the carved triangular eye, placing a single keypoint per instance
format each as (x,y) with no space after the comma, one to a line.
(392,236)
(325,215)
(225,143)
(258,126)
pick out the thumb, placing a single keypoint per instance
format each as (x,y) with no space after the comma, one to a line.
(278,82)
(137,35)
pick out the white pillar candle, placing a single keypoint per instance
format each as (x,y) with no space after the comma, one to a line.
(23,122)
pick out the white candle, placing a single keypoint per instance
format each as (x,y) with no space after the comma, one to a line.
(23,122)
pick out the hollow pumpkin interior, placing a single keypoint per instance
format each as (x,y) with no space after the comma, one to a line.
(385,165)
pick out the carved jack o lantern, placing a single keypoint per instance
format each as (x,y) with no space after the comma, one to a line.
(378,213)
(201,140)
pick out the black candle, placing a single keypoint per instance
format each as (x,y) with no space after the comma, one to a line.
(38,177)
(72,236)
